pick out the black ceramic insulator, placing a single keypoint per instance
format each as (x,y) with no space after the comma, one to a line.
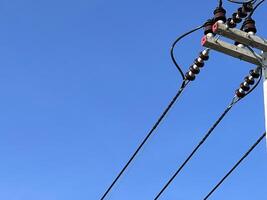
(247,7)
(249,26)
(240,94)
(203,57)
(249,81)
(194,70)
(241,13)
(219,14)
(254,74)
(230,23)
(190,77)
(244,87)
(236,20)
(199,64)
(208,27)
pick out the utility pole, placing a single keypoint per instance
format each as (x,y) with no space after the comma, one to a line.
(264,72)
(240,52)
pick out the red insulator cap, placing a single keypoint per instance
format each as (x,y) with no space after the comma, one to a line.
(208,27)
(203,40)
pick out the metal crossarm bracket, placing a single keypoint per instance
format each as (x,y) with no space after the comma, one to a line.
(232,50)
(240,36)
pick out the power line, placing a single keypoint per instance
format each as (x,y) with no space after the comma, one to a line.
(255,8)
(235,166)
(184,84)
(175,43)
(241,2)
(209,132)
(244,90)
(220,3)
(252,12)
(239,95)
(195,149)
(179,92)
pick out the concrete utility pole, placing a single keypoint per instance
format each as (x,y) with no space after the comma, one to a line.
(247,39)
(264,72)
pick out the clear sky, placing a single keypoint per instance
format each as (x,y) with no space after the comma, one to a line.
(81,83)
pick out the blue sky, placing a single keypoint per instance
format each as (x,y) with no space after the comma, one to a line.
(82,82)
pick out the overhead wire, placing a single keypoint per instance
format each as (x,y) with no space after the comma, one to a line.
(174,99)
(220,3)
(255,8)
(233,102)
(235,166)
(174,45)
(208,133)
(241,2)
(252,12)
(228,108)
(162,116)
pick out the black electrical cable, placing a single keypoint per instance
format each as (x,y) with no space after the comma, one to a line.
(184,84)
(241,2)
(175,43)
(180,90)
(252,12)
(235,166)
(255,8)
(220,3)
(229,107)
(195,149)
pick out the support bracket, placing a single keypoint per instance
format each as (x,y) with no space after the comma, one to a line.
(230,49)
(240,36)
